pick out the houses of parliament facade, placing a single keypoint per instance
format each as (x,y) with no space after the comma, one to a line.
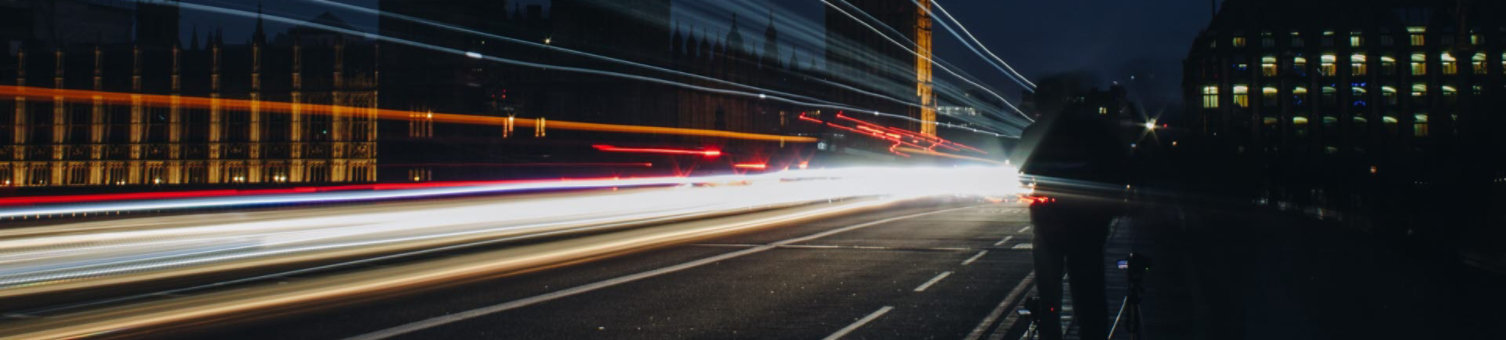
(216,125)
(72,143)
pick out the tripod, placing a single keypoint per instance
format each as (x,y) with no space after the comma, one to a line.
(1129,312)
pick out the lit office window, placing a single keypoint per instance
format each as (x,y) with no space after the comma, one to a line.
(1450,65)
(1450,94)
(1357,64)
(1242,96)
(1388,93)
(1239,42)
(1476,39)
(1390,122)
(1268,96)
(1356,39)
(1299,96)
(1210,97)
(1328,65)
(1420,125)
(1419,64)
(1299,65)
(1330,95)
(1388,65)
(1419,90)
(1418,35)
(1478,64)
(1268,66)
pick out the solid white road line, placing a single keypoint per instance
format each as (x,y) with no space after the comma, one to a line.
(974,258)
(1025,229)
(1009,300)
(855,325)
(1023,246)
(510,305)
(933,281)
(1006,239)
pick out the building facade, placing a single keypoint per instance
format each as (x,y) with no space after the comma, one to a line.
(1385,81)
(195,137)
(1357,105)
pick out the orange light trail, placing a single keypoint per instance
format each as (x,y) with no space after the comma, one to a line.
(712,153)
(121,98)
(753,166)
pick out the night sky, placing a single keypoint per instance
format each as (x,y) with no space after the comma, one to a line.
(1111,39)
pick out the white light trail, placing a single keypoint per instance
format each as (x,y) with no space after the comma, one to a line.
(63,257)
(939,65)
(928,59)
(1011,71)
(806,100)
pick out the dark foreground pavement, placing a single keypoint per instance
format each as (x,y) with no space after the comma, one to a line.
(1254,274)
(899,274)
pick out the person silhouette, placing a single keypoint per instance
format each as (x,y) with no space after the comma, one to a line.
(1078,167)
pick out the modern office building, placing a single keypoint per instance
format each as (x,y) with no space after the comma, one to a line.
(1349,87)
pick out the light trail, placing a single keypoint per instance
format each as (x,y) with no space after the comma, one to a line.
(937,61)
(1012,73)
(474,54)
(711,153)
(938,65)
(121,98)
(554,48)
(88,255)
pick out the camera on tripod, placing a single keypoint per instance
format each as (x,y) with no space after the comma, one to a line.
(1134,267)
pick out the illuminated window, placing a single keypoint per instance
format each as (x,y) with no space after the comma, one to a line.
(1330,95)
(1388,93)
(1476,39)
(1420,125)
(1358,92)
(1388,65)
(1450,94)
(1356,39)
(1268,66)
(1478,63)
(1419,64)
(1299,96)
(1210,97)
(1299,65)
(1328,65)
(1268,96)
(1450,65)
(1239,42)
(1242,96)
(1418,35)
(1357,64)
(1419,90)
(1300,124)
(1103,110)
(1327,38)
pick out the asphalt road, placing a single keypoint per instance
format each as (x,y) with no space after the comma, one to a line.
(916,271)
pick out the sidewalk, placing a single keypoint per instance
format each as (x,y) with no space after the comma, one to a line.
(1249,274)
